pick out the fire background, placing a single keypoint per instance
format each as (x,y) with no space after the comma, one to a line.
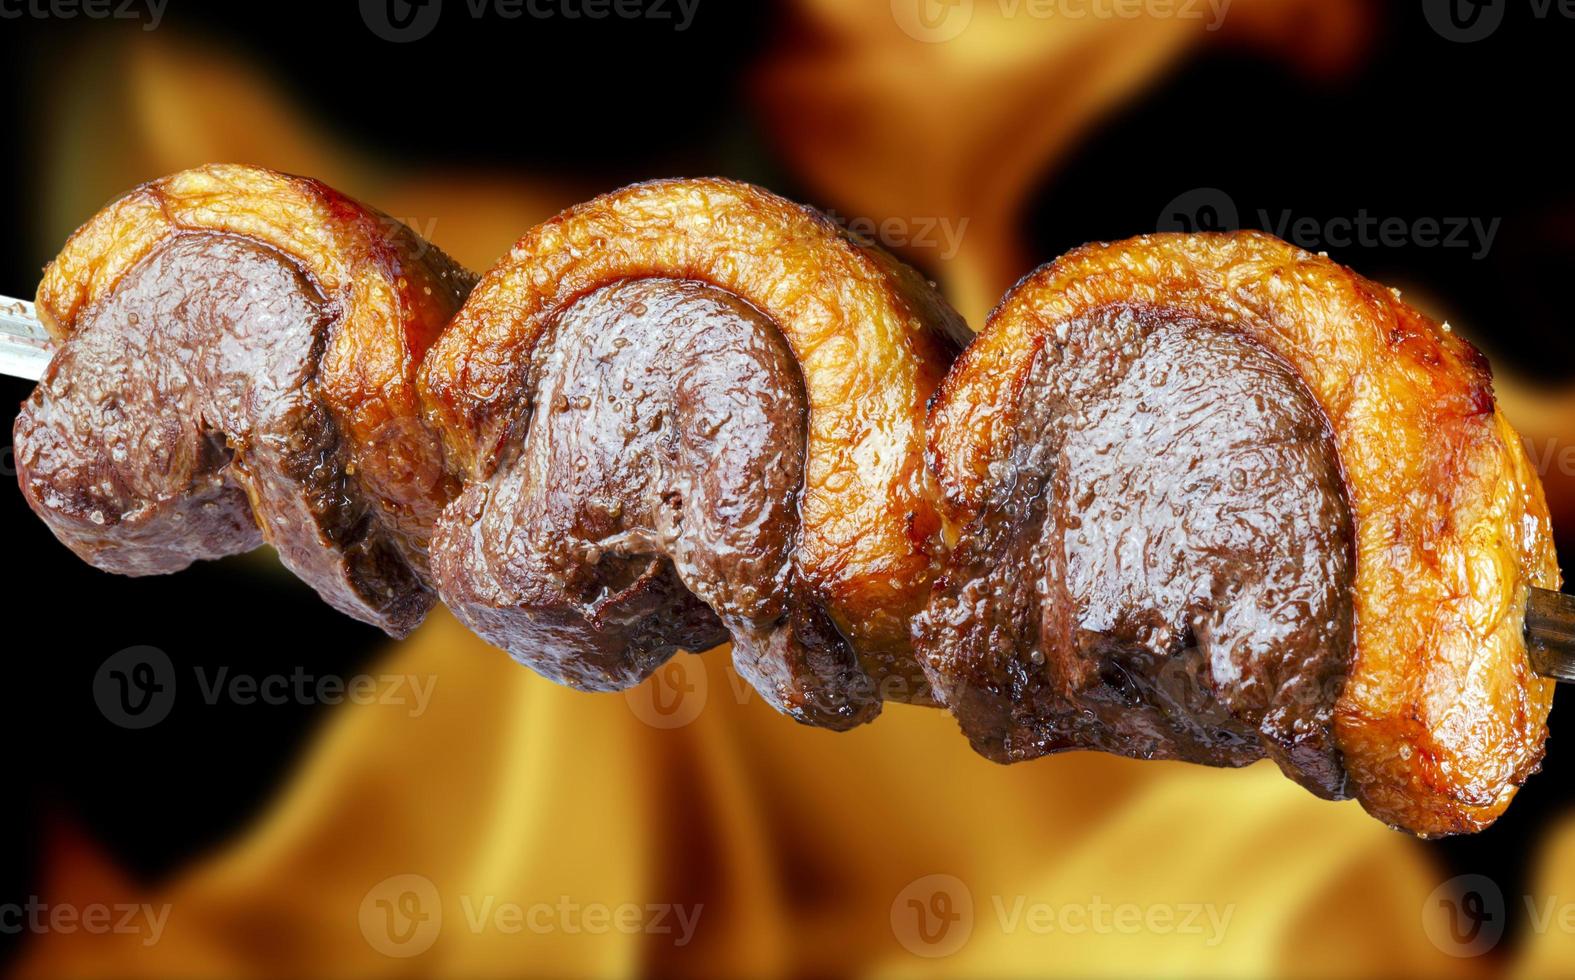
(1423,144)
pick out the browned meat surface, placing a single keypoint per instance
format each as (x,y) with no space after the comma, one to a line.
(651,504)
(1163,568)
(756,443)
(1197,497)
(1219,497)
(236,365)
(186,401)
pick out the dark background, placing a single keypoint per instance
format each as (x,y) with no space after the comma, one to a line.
(1421,127)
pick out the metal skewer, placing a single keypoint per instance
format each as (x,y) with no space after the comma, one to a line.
(25,349)
(24,344)
(1550,634)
